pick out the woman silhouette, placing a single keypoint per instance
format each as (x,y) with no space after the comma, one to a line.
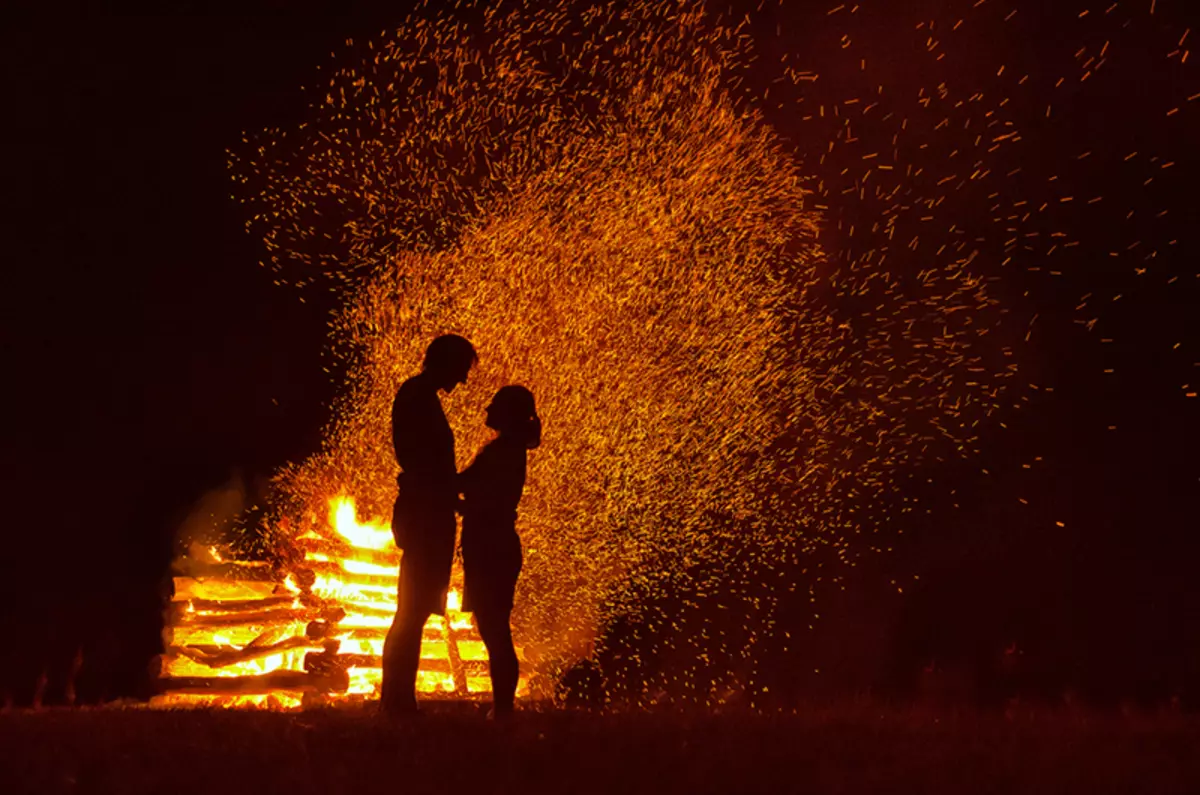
(491,488)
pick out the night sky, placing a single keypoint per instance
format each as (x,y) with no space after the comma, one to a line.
(150,359)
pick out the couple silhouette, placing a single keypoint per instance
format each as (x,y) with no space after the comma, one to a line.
(432,492)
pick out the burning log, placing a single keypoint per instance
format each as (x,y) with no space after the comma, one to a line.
(218,589)
(372,633)
(384,581)
(460,670)
(228,570)
(231,605)
(439,665)
(307,681)
(258,617)
(182,614)
(222,656)
(319,550)
(371,610)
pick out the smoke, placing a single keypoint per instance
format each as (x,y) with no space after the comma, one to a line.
(213,517)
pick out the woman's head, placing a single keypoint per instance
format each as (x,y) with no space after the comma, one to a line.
(512,412)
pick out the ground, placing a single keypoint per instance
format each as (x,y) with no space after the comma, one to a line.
(453,749)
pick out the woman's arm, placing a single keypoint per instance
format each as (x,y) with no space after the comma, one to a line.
(474,477)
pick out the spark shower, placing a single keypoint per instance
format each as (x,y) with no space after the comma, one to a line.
(602,200)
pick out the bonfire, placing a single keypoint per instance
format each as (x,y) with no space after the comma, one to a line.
(283,635)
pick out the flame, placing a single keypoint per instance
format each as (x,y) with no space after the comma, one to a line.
(263,644)
(364,536)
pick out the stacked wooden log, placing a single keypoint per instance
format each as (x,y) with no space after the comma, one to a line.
(243,629)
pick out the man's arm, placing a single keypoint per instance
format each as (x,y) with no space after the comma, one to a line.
(410,432)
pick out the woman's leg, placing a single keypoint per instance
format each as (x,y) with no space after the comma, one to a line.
(496,632)
(401,659)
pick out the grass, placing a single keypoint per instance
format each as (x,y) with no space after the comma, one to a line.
(452,749)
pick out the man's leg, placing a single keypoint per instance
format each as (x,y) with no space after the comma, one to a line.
(402,652)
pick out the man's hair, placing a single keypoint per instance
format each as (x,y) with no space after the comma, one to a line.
(449,349)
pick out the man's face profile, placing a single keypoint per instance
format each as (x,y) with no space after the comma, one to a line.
(456,374)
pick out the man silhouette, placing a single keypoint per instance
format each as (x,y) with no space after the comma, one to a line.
(423,522)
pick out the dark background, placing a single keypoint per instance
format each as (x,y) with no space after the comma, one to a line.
(149,359)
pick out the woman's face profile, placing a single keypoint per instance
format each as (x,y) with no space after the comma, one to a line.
(492,415)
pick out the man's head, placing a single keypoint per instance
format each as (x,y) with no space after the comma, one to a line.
(448,359)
